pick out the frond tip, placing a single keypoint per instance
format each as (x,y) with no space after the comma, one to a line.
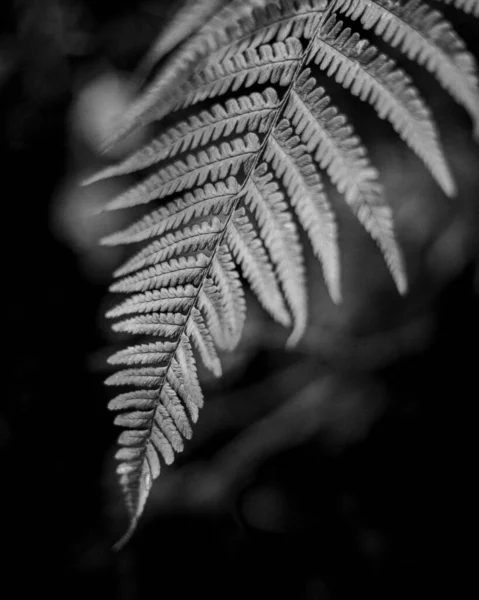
(235,180)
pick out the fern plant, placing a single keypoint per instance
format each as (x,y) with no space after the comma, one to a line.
(235,174)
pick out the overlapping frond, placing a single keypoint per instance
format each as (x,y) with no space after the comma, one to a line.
(294,166)
(274,21)
(232,181)
(212,199)
(374,77)
(225,291)
(214,163)
(170,299)
(271,63)
(330,139)
(370,208)
(278,232)
(158,98)
(424,36)
(174,272)
(237,115)
(202,236)
(249,253)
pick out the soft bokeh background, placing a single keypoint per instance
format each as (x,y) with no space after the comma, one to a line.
(344,468)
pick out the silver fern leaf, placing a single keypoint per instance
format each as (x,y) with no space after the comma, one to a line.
(424,36)
(233,180)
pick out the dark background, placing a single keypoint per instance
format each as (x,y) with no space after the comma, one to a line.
(344,468)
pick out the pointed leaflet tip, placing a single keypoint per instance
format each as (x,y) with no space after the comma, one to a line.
(295,336)
(99,176)
(336,295)
(401,283)
(127,536)
(144,483)
(397,269)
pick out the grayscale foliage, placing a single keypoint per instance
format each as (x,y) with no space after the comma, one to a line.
(236,180)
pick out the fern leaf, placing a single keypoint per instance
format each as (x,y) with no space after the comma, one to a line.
(187,366)
(164,423)
(158,421)
(330,139)
(468,6)
(274,64)
(200,237)
(275,21)
(181,271)
(250,255)
(424,36)
(373,77)
(177,383)
(278,233)
(226,293)
(167,325)
(175,409)
(209,309)
(235,173)
(161,94)
(294,165)
(149,377)
(172,299)
(214,163)
(144,354)
(201,336)
(212,199)
(138,400)
(338,150)
(133,420)
(247,113)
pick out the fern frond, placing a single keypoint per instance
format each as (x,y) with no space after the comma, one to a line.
(212,199)
(373,77)
(279,235)
(144,354)
(294,165)
(174,299)
(168,325)
(271,63)
(213,163)
(424,36)
(149,377)
(143,400)
(330,139)
(184,363)
(177,383)
(161,94)
(208,303)
(233,176)
(200,237)
(247,113)
(248,250)
(201,336)
(158,422)
(226,293)
(175,272)
(275,21)
(468,6)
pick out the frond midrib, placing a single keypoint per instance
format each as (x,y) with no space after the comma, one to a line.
(220,240)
